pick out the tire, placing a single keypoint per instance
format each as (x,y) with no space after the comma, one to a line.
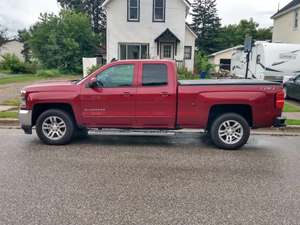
(60,123)
(230,131)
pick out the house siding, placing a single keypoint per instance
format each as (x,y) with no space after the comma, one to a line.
(284,30)
(119,30)
(190,41)
(12,47)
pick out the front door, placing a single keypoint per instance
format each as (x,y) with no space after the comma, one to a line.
(166,51)
(112,102)
(156,96)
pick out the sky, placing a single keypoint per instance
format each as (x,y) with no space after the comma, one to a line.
(20,14)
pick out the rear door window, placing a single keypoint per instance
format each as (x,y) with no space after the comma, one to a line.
(155,75)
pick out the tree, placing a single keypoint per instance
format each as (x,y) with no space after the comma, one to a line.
(92,8)
(233,35)
(206,24)
(3,35)
(24,37)
(61,41)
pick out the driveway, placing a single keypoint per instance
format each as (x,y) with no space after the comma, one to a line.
(148,180)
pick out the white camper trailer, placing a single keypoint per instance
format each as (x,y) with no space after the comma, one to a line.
(268,61)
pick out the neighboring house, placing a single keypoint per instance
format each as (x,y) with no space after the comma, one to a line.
(222,59)
(12,47)
(287,23)
(149,29)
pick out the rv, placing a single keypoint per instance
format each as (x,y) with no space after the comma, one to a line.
(268,61)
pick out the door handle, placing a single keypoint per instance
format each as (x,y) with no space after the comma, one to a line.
(127,94)
(165,94)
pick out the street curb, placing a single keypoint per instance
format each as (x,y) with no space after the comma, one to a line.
(287,131)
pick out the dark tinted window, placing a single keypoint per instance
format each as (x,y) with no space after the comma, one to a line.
(155,75)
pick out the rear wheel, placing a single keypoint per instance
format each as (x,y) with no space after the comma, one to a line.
(55,127)
(230,131)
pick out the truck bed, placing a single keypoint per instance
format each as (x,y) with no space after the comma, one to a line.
(225,82)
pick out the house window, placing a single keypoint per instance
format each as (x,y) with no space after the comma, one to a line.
(133,51)
(155,75)
(187,52)
(159,10)
(296,19)
(133,10)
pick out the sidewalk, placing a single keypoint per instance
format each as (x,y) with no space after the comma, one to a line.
(292,115)
(4,108)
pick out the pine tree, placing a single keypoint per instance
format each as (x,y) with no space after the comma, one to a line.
(206,24)
(92,8)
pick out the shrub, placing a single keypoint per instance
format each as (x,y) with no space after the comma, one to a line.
(12,63)
(48,73)
(93,68)
(202,63)
(184,74)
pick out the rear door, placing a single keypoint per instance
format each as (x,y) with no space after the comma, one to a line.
(156,96)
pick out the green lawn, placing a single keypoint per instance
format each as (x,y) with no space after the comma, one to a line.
(10,115)
(288,107)
(12,102)
(32,77)
(293,122)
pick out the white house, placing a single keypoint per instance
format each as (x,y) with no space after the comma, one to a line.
(287,24)
(149,29)
(222,59)
(12,47)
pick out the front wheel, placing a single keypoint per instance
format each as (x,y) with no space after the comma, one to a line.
(230,131)
(55,127)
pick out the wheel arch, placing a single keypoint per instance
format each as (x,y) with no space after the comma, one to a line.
(38,109)
(243,110)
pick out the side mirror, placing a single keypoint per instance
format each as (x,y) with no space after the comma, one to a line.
(92,83)
(292,79)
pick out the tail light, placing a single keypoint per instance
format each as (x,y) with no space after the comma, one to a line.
(279,100)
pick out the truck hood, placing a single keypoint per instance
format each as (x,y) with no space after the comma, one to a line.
(55,86)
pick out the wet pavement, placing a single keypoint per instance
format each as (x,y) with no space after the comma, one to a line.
(148,180)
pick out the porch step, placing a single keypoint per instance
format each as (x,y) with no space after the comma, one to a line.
(131,132)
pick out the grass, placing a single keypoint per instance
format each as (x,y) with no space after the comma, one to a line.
(12,102)
(288,107)
(31,77)
(293,122)
(10,115)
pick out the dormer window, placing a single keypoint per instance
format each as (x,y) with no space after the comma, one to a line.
(133,10)
(159,10)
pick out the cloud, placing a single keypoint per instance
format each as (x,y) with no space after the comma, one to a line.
(20,14)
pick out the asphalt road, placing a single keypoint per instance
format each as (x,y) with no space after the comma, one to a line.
(148,180)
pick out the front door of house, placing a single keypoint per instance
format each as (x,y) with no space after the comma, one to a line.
(167,51)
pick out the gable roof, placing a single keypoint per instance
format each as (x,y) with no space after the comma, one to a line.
(286,8)
(190,29)
(186,2)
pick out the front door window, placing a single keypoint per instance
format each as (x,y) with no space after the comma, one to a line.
(167,51)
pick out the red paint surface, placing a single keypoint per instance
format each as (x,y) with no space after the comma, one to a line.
(169,106)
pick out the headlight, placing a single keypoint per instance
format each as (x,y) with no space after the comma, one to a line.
(23,99)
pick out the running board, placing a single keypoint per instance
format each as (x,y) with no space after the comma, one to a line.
(131,132)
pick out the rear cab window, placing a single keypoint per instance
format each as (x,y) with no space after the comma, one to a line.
(154,75)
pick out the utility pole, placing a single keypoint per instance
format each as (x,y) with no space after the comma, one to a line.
(247,50)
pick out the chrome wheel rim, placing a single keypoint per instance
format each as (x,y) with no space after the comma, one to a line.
(231,132)
(54,128)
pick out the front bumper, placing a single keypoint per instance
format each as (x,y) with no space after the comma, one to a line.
(279,122)
(25,118)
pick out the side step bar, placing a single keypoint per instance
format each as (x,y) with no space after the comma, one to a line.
(131,132)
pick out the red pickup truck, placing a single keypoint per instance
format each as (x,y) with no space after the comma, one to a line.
(145,94)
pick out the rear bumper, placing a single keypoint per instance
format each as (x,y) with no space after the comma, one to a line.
(279,122)
(25,118)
